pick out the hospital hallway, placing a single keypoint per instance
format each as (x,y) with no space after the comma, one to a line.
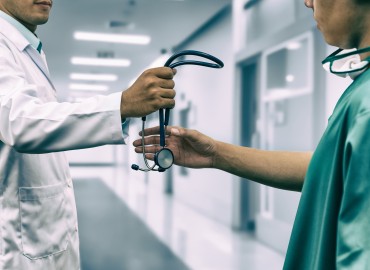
(124,225)
(253,77)
(271,94)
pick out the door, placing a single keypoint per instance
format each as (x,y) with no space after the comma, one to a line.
(286,106)
(249,191)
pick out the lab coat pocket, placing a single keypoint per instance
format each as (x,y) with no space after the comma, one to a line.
(44,229)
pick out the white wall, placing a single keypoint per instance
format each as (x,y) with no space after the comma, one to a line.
(266,25)
(255,31)
(210,92)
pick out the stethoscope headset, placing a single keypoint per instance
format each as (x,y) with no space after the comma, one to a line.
(339,55)
(163,159)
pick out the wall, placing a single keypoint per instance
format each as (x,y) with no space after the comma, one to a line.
(257,30)
(210,95)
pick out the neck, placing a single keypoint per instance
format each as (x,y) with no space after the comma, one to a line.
(30,27)
(364,36)
(365,54)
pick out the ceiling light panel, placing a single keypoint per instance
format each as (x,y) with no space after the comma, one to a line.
(88,87)
(93,77)
(113,38)
(107,62)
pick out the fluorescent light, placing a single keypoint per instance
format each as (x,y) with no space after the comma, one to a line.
(289,78)
(294,46)
(100,62)
(88,87)
(114,38)
(93,77)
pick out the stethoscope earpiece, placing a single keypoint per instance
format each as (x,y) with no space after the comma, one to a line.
(135,167)
(164,158)
(347,62)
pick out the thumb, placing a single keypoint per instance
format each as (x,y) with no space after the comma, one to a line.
(175,132)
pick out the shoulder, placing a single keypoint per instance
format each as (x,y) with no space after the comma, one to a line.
(360,98)
(11,36)
(7,51)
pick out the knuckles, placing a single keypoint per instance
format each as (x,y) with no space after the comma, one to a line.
(151,82)
(147,72)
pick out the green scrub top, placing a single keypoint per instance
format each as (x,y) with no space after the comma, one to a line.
(332,225)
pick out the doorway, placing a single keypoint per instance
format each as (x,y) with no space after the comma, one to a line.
(249,191)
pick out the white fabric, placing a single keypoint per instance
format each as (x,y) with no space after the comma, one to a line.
(38,220)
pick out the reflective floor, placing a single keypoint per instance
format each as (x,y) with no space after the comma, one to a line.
(111,235)
(200,242)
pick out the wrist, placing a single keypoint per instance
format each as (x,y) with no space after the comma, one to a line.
(216,157)
(123,108)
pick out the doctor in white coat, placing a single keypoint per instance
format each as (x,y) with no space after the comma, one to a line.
(38,221)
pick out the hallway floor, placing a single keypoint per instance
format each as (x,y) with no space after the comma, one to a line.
(200,242)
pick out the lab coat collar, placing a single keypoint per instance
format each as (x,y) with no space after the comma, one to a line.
(40,60)
(23,44)
(30,36)
(12,33)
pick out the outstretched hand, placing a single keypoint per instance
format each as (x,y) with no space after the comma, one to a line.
(190,147)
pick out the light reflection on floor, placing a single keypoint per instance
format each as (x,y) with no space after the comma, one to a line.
(200,242)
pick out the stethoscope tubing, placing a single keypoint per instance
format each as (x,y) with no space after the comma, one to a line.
(336,56)
(217,62)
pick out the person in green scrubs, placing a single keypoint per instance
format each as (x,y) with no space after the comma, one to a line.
(332,225)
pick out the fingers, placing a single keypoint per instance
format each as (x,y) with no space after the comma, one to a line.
(155,131)
(147,141)
(148,149)
(150,131)
(166,84)
(151,139)
(163,72)
(149,156)
(167,93)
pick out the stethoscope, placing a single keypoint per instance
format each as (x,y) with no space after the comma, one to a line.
(163,159)
(341,54)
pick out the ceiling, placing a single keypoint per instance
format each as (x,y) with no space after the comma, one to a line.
(167,22)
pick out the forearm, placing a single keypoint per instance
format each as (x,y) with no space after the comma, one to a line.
(34,126)
(284,170)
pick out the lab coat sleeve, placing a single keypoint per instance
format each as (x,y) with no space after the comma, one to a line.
(31,123)
(353,241)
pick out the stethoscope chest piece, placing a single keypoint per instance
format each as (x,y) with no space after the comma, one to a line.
(164,158)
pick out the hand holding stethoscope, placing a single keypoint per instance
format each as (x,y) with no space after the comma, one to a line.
(163,159)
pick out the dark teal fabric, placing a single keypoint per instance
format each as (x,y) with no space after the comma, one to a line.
(332,226)
(39,48)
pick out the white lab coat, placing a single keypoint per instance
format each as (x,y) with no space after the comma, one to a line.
(38,221)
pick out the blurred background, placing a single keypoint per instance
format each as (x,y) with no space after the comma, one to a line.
(272,94)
